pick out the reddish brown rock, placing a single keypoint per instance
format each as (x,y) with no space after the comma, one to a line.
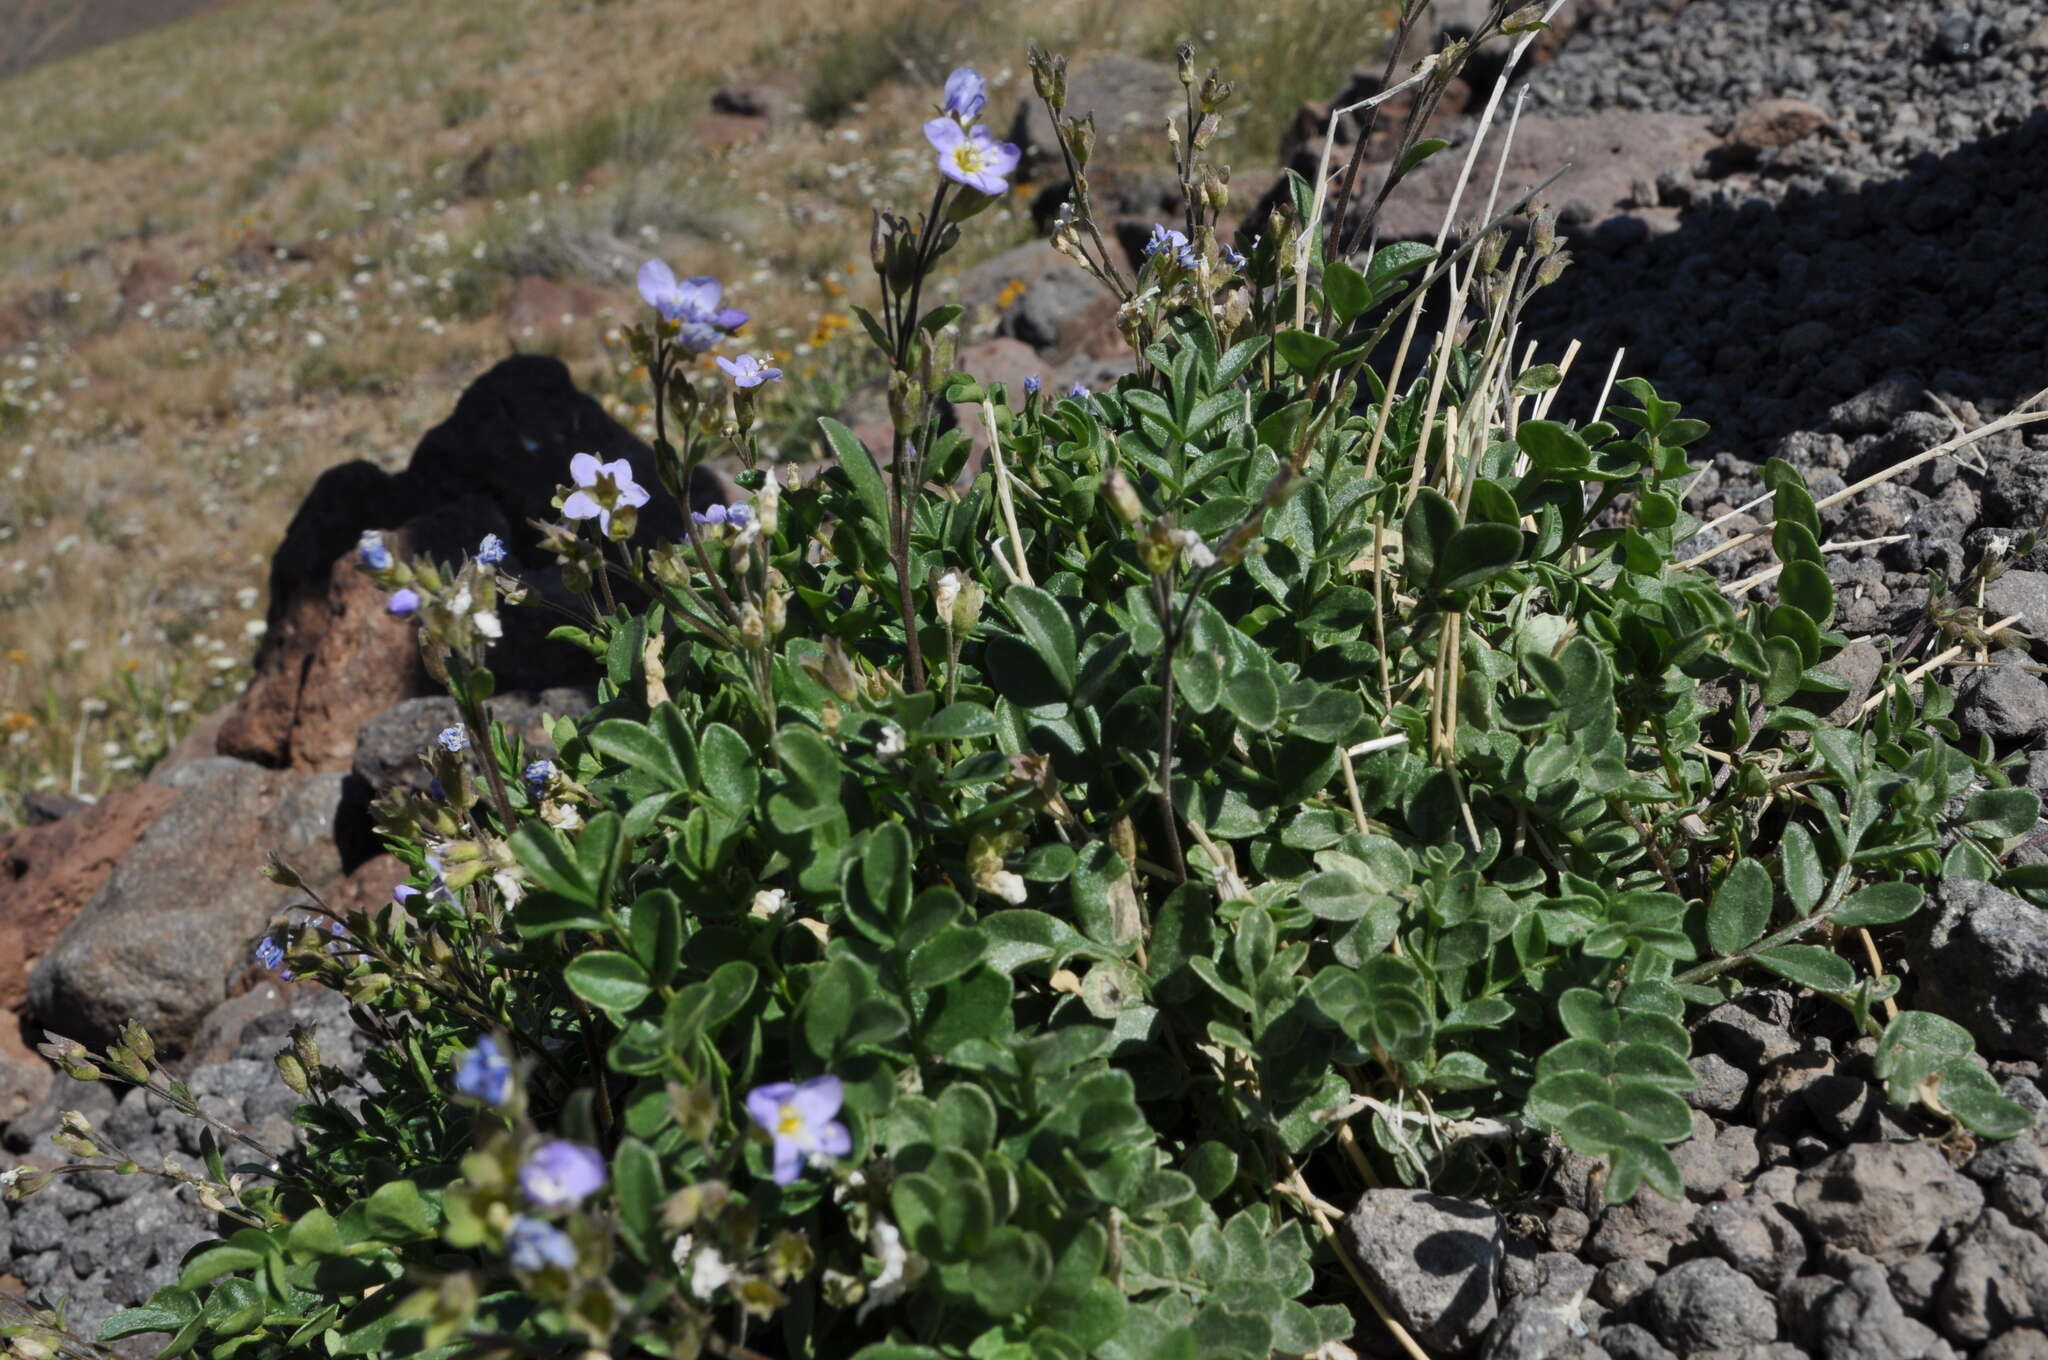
(47,873)
(1772,123)
(24,1077)
(543,314)
(335,660)
(173,923)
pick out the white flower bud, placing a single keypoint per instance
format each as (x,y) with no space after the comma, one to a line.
(945,591)
(1008,886)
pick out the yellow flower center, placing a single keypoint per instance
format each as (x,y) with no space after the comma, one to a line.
(968,157)
(789,1124)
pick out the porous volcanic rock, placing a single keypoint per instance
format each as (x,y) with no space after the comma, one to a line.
(1436,1261)
(176,918)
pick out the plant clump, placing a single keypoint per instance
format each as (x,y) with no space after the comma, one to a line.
(1014,881)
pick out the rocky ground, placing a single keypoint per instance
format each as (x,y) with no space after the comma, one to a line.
(1816,224)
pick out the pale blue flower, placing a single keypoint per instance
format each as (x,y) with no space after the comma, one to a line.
(484,1073)
(537,776)
(966,94)
(748,371)
(534,1245)
(970,156)
(269,952)
(404,601)
(1172,244)
(1232,256)
(1079,391)
(491,551)
(799,1119)
(692,304)
(1032,384)
(453,739)
(372,553)
(561,1174)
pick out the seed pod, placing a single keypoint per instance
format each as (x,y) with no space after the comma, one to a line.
(293,1072)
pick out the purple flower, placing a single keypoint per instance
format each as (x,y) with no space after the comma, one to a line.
(1232,256)
(966,95)
(1032,384)
(738,516)
(372,553)
(537,776)
(404,893)
(269,952)
(452,739)
(970,156)
(747,371)
(601,488)
(690,303)
(561,1174)
(1079,391)
(533,1246)
(404,602)
(799,1120)
(484,1073)
(1173,244)
(491,551)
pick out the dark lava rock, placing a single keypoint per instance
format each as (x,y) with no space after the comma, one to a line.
(1982,961)
(1707,1305)
(1435,1260)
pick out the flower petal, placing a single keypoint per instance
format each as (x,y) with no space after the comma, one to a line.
(634,495)
(700,295)
(818,1099)
(944,134)
(730,319)
(764,1103)
(580,506)
(834,1140)
(789,1160)
(729,366)
(583,469)
(657,283)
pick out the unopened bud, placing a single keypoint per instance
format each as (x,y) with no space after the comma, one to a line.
(878,244)
(753,628)
(280,873)
(1543,233)
(1080,138)
(293,1072)
(967,607)
(136,1039)
(945,593)
(1184,58)
(838,673)
(1205,131)
(775,613)
(768,507)
(1123,497)
(1553,268)
(306,1046)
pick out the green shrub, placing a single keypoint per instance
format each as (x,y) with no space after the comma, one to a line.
(994,920)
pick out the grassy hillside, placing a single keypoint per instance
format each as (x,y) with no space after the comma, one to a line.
(278,234)
(33,32)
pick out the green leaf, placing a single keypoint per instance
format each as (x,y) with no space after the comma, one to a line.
(1585,1014)
(945,956)
(168,1309)
(1346,290)
(730,769)
(959,722)
(1212,1166)
(1477,553)
(861,470)
(638,747)
(1045,626)
(210,1265)
(1253,699)
(1390,262)
(1303,351)
(1805,586)
(1880,904)
(550,858)
(2002,813)
(1426,533)
(1552,446)
(1799,862)
(637,1189)
(656,923)
(1010,1272)
(1741,908)
(396,1212)
(1810,965)
(1971,1094)
(608,980)
(1417,154)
